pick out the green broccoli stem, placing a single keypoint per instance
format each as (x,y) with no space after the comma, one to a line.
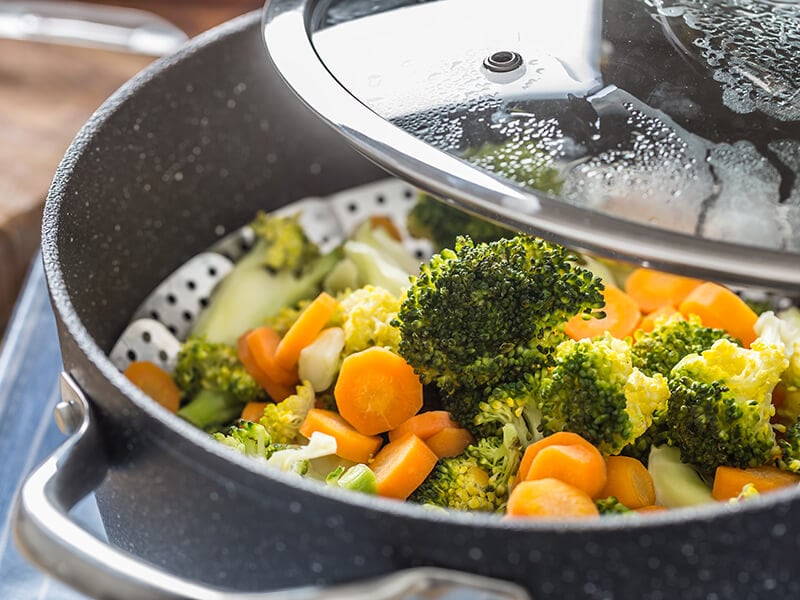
(210,410)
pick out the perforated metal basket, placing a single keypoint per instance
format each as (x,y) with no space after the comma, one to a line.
(168,314)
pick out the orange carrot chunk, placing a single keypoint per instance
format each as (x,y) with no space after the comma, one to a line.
(577,465)
(651,508)
(561,438)
(450,441)
(622,317)
(629,481)
(550,498)
(277,391)
(423,425)
(262,343)
(719,307)
(377,390)
(401,466)
(729,481)
(648,322)
(253,411)
(350,444)
(653,289)
(305,329)
(155,382)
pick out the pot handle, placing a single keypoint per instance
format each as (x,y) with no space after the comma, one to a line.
(48,536)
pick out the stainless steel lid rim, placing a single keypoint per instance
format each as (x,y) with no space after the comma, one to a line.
(287,36)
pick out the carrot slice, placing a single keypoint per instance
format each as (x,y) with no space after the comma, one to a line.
(155,382)
(648,322)
(577,465)
(629,481)
(386,223)
(550,498)
(350,444)
(423,425)
(651,508)
(377,390)
(450,441)
(277,391)
(729,481)
(253,411)
(262,343)
(720,308)
(561,438)
(622,317)
(653,289)
(303,331)
(401,466)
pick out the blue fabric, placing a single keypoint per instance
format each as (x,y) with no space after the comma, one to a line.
(30,362)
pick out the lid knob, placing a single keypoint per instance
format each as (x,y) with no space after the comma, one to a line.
(502,61)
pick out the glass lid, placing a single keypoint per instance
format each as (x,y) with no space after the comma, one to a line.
(666,132)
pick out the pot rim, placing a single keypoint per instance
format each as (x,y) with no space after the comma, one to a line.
(245,467)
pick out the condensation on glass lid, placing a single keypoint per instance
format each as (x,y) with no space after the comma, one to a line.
(684,115)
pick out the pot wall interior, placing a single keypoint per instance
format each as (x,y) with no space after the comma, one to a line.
(188,152)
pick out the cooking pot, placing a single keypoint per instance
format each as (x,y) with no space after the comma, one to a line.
(191,149)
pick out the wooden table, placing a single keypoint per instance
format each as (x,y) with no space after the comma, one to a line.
(46,93)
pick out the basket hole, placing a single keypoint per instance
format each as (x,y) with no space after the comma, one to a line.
(191,284)
(162,356)
(131,355)
(146,337)
(419,254)
(380,199)
(244,245)
(173,330)
(154,314)
(352,207)
(212,271)
(408,194)
(171,299)
(203,302)
(187,316)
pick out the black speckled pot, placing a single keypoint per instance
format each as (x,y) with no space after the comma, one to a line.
(205,139)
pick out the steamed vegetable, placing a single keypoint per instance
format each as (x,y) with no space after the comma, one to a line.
(283,267)
(503,375)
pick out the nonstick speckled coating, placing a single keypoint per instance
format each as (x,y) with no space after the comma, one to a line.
(191,149)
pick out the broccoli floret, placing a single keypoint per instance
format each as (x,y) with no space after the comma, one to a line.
(673,338)
(441,223)
(612,506)
(205,365)
(213,382)
(595,391)
(479,479)
(366,316)
(248,438)
(282,420)
(720,405)
(459,483)
(789,444)
(283,267)
(514,404)
(486,314)
(283,244)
